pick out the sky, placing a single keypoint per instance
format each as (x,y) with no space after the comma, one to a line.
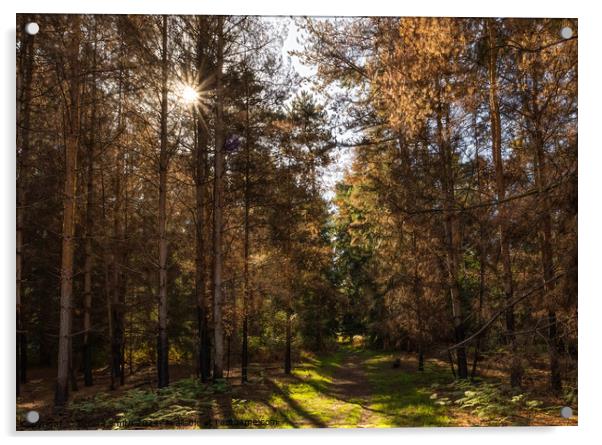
(342,156)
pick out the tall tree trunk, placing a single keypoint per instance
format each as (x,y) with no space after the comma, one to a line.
(247,290)
(534,114)
(496,147)
(124,267)
(121,216)
(163,346)
(452,239)
(116,282)
(204,345)
(71,147)
(545,239)
(109,259)
(288,365)
(482,250)
(89,234)
(117,275)
(117,294)
(417,290)
(23,110)
(218,191)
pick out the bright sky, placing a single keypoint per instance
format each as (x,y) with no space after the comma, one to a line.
(342,157)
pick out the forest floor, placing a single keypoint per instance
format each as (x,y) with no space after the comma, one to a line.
(349,388)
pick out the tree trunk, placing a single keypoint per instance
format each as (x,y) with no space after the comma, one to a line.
(124,263)
(118,271)
(247,290)
(218,191)
(288,366)
(108,259)
(533,111)
(88,236)
(200,265)
(23,110)
(496,147)
(71,147)
(417,290)
(162,346)
(452,240)
(482,251)
(89,228)
(204,345)
(547,263)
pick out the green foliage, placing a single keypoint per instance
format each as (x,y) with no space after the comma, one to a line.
(493,402)
(352,239)
(220,386)
(184,400)
(269,345)
(348,388)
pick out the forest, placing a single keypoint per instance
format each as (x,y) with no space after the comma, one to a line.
(271,222)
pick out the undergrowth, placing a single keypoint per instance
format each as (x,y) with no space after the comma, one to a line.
(494,403)
(183,402)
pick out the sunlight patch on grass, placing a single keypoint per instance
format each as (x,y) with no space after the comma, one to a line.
(401,398)
(305,401)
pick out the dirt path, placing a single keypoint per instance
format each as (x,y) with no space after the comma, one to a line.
(350,385)
(345,389)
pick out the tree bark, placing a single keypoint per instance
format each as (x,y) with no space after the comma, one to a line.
(247,290)
(496,147)
(534,114)
(417,290)
(23,110)
(71,147)
(204,344)
(200,266)
(547,263)
(452,239)
(482,251)
(218,191)
(89,234)
(162,345)
(288,366)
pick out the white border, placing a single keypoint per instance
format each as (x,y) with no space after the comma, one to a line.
(590,163)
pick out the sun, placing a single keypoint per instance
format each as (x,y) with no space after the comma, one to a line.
(189,94)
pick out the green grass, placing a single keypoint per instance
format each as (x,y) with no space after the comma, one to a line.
(302,400)
(352,387)
(400,398)
(397,398)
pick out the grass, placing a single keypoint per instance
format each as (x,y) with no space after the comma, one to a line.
(352,387)
(302,400)
(397,398)
(401,398)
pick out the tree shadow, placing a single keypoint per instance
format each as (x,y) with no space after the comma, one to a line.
(296,406)
(338,394)
(278,413)
(221,412)
(399,395)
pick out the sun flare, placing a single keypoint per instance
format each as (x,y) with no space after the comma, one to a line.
(189,94)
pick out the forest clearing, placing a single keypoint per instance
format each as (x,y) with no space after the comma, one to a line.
(295,221)
(350,388)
